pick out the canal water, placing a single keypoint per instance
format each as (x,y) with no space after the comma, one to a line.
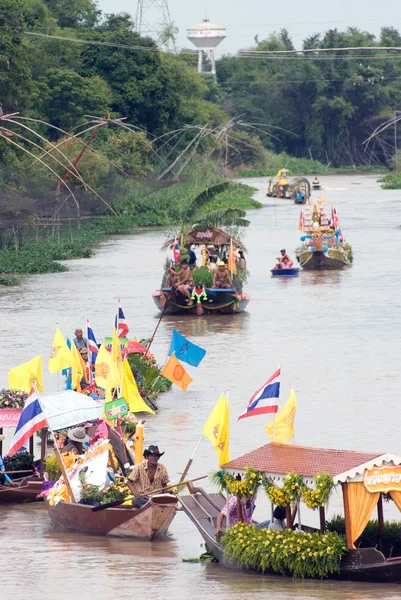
(336,336)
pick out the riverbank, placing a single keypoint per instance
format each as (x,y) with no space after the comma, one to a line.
(41,253)
(303,166)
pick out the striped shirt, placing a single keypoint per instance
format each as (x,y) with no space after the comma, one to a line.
(141,482)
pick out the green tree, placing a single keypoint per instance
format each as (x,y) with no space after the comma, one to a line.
(75,13)
(16,84)
(67,97)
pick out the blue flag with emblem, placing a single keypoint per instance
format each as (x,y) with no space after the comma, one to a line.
(185,350)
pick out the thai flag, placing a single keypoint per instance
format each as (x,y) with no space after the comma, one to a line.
(176,252)
(92,343)
(31,420)
(121,323)
(265,400)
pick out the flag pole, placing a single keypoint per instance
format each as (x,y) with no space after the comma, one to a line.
(191,460)
(274,418)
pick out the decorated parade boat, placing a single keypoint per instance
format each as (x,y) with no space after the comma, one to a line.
(217,247)
(290,474)
(298,190)
(323,243)
(74,501)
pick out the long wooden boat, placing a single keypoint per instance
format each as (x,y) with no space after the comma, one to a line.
(148,522)
(360,564)
(216,301)
(26,490)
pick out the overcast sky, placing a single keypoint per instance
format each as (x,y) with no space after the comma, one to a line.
(246,18)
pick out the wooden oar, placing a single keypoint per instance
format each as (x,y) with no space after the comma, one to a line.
(15,472)
(14,488)
(118,502)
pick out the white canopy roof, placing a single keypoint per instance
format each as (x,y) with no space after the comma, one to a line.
(68,408)
(356,473)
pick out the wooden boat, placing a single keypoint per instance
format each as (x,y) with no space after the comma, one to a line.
(206,300)
(373,473)
(26,490)
(292,272)
(148,522)
(323,245)
(217,301)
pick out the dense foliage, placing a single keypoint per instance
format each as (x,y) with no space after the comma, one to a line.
(286,551)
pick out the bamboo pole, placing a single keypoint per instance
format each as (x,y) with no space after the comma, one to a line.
(190,461)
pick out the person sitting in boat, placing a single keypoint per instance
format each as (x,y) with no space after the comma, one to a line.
(4,478)
(221,277)
(315,181)
(184,282)
(211,265)
(284,261)
(76,438)
(147,477)
(300,194)
(278,522)
(247,506)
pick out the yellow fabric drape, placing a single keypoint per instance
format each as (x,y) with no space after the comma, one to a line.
(361,505)
(396,497)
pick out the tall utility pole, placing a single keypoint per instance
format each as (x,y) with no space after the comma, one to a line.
(153,20)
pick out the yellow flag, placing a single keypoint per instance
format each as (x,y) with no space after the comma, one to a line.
(217,429)
(129,391)
(116,350)
(27,375)
(78,368)
(175,372)
(61,355)
(232,267)
(284,429)
(106,369)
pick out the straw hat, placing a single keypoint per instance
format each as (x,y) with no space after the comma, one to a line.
(78,434)
(221,263)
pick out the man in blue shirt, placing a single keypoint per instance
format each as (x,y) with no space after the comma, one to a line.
(79,340)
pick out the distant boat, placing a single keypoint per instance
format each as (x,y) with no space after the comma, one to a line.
(323,245)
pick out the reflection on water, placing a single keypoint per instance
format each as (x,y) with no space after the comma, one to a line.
(335,334)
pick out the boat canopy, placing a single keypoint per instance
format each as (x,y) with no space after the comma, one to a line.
(364,477)
(68,408)
(209,236)
(276,460)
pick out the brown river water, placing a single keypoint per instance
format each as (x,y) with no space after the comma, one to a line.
(336,335)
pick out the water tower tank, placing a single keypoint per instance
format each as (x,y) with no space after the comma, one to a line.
(206,37)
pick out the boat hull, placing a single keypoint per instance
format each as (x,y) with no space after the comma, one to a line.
(299,200)
(26,491)
(319,261)
(218,301)
(361,564)
(149,522)
(285,272)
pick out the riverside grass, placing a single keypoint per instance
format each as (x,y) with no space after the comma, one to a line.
(301,554)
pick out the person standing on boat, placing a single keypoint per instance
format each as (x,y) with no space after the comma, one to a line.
(247,506)
(79,340)
(147,477)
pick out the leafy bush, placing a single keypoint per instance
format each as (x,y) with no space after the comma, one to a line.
(302,554)
(203,276)
(370,535)
(52,467)
(22,461)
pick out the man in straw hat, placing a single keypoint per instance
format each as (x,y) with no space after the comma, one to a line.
(77,437)
(147,477)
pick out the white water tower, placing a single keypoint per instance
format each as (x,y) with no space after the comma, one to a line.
(206,37)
